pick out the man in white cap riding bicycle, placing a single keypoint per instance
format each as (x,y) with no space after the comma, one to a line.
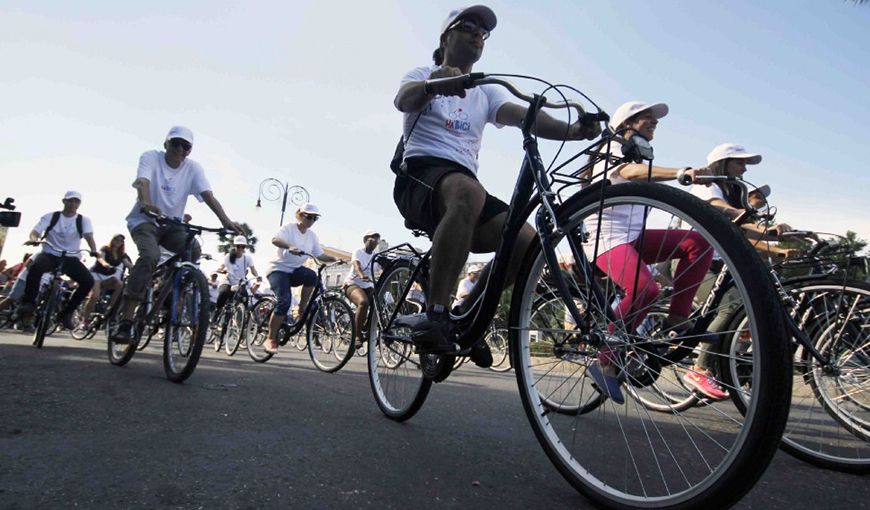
(236,265)
(62,231)
(163,182)
(436,188)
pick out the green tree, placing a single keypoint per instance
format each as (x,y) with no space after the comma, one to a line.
(226,241)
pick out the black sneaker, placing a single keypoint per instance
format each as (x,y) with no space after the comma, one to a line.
(480,354)
(432,336)
(68,321)
(123,333)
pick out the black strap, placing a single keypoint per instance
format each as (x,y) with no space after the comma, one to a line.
(399,154)
(55,217)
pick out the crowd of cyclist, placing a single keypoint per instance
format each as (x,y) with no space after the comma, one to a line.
(436,191)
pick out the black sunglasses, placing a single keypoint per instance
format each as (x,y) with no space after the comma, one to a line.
(182,144)
(470,26)
(312,217)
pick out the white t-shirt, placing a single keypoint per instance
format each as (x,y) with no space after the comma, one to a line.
(64,234)
(619,224)
(170,187)
(307,242)
(237,272)
(452,127)
(365,261)
(464,287)
(707,193)
(213,291)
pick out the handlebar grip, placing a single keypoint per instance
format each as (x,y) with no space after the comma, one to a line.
(685,180)
(591,118)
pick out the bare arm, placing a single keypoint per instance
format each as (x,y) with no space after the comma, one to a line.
(326,258)
(545,126)
(143,195)
(89,238)
(216,207)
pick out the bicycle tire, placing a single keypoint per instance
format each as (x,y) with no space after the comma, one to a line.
(236,329)
(218,329)
(258,329)
(331,334)
(823,431)
(595,452)
(185,333)
(121,354)
(397,382)
(44,314)
(498,345)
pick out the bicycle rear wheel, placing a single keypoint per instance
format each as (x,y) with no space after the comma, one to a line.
(397,381)
(627,456)
(187,324)
(331,335)
(121,354)
(258,329)
(497,340)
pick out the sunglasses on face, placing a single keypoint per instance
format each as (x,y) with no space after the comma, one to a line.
(471,26)
(312,217)
(178,143)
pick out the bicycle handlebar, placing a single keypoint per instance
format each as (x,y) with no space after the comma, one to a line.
(687,180)
(162,219)
(46,241)
(472,80)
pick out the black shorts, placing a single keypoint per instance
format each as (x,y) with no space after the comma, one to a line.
(414,193)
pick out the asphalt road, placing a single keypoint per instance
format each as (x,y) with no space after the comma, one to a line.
(76,431)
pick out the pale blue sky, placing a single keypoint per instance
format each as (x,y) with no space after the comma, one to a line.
(303,91)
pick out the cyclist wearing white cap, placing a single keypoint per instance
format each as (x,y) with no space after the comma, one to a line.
(727,159)
(436,189)
(359,284)
(619,244)
(287,270)
(236,265)
(463,290)
(63,230)
(163,182)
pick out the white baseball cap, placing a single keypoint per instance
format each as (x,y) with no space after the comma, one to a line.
(484,13)
(371,233)
(180,132)
(240,240)
(732,150)
(474,268)
(309,208)
(631,108)
(72,194)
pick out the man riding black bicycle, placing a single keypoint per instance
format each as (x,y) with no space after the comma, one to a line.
(62,231)
(163,182)
(437,190)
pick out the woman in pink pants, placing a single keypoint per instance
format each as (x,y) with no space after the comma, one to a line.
(625,250)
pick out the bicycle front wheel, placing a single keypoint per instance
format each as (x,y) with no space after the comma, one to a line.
(258,329)
(624,455)
(45,315)
(397,381)
(331,335)
(236,329)
(187,324)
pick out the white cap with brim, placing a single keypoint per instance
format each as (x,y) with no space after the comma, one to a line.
(240,241)
(632,108)
(484,13)
(732,150)
(180,132)
(72,194)
(309,208)
(371,233)
(474,268)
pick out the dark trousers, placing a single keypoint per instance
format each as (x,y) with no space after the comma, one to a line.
(149,238)
(72,267)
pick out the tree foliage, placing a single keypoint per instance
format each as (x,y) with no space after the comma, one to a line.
(226,242)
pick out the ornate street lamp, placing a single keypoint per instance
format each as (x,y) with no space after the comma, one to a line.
(272,189)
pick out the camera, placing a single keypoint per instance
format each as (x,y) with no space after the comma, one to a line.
(9,218)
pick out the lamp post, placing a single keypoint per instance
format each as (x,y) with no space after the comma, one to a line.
(272,189)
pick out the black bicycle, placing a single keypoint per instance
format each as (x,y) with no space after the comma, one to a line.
(177,302)
(328,321)
(51,298)
(227,330)
(616,455)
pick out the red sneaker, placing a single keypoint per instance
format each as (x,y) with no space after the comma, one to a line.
(705,384)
